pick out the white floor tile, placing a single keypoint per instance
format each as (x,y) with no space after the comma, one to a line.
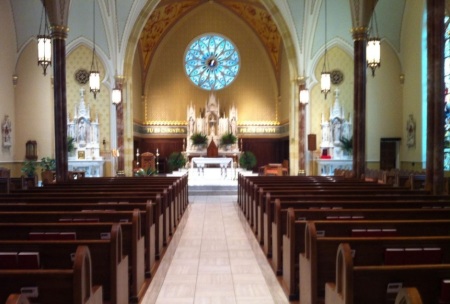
(215,260)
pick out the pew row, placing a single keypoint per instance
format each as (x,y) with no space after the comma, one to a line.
(368,284)
(55,285)
(111,266)
(317,262)
(133,241)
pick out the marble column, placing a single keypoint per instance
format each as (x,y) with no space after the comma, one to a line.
(120,130)
(435,97)
(359,100)
(58,11)
(301,138)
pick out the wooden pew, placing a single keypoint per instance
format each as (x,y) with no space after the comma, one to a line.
(295,219)
(109,264)
(16,298)
(409,295)
(55,285)
(317,263)
(112,202)
(340,201)
(133,240)
(148,220)
(367,284)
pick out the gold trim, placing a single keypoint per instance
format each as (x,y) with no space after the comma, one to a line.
(359,33)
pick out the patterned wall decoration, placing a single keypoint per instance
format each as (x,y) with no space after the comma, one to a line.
(261,22)
(81,58)
(338,60)
(158,23)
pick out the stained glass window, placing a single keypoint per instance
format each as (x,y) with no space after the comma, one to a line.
(447,95)
(211,62)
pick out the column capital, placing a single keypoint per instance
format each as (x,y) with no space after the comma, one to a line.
(120,80)
(359,33)
(59,31)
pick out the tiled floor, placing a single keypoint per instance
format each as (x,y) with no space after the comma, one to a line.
(214,258)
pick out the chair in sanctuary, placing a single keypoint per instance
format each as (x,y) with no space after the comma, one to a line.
(148,161)
(212,150)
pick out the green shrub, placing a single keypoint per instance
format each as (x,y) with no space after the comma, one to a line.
(247,160)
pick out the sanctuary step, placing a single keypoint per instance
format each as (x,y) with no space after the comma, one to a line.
(212,190)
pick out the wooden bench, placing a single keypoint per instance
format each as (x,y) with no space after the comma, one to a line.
(55,285)
(149,227)
(318,266)
(295,219)
(367,283)
(110,266)
(343,202)
(17,298)
(133,240)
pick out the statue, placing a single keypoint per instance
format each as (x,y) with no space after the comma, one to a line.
(6,131)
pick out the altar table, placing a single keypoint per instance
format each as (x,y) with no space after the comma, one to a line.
(223,162)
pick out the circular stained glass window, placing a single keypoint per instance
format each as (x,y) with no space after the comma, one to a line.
(211,62)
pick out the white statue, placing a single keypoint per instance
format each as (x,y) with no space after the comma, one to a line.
(6,131)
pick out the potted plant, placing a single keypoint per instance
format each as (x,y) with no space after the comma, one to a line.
(247,160)
(176,161)
(48,167)
(346,145)
(228,139)
(70,145)
(199,139)
(29,168)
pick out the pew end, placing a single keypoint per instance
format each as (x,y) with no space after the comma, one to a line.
(408,296)
(16,298)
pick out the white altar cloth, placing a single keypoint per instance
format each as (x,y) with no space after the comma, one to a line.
(202,161)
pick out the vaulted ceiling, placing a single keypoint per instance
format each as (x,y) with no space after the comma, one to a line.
(168,12)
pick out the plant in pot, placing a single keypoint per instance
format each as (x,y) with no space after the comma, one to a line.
(227,140)
(48,167)
(247,160)
(70,145)
(199,140)
(29,168)
(346,145)
(176,161)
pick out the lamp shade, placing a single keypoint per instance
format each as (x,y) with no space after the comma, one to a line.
(304,96)
(116,96)
(94,82)
(44,51)
(325,83)
(373,54)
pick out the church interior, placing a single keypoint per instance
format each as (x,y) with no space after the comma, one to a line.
(227,90)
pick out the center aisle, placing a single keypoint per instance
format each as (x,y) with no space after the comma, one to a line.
(214,258)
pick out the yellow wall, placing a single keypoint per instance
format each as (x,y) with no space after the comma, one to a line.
(81,58)
(169,91)
(411,52)
(34,106)
(338,60)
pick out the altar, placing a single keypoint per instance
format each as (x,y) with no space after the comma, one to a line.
(223,163)
(84,131)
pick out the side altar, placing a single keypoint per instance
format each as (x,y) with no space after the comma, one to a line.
(334,130)
(85,133)
(214,124)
